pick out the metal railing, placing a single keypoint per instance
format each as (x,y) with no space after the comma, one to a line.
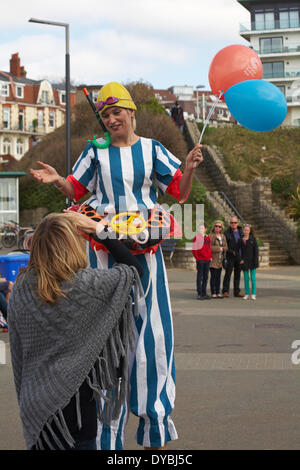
(269,25)
(232,206)
(279,49)
(282,74)
(16,128)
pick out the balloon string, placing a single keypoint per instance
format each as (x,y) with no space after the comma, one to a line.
(209,116)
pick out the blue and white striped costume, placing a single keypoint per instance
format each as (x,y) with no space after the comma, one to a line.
(130,173)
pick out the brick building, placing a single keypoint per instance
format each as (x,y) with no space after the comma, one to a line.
(29,109)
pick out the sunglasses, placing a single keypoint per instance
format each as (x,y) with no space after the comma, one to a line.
(233,222)
(110,100)
(218,226)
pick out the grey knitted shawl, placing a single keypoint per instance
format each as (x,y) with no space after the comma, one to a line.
(56,347)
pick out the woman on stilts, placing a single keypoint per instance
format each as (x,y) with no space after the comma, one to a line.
(120,178)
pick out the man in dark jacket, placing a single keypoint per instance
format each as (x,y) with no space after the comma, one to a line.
(233,236)
(177,115)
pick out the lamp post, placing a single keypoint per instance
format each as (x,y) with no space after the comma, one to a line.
(68,120)
(198,108)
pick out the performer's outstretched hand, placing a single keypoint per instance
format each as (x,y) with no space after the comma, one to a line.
(47,174)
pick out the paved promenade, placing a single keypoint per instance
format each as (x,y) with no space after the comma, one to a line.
(237,386)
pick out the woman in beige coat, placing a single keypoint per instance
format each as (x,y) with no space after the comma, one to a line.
(218,249)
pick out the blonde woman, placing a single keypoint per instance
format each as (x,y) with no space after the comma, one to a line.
(70,329)
(218,249)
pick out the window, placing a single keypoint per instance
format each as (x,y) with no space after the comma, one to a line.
(6,118)
(289,18)
(264,20)
(19,91)
(4,88)
(95,94)
(21,120)
(63,97)
(40,118)
(20,147)
(273,69)
(269,45)
(45,96)
(51,119)
(6,146)
(8,197)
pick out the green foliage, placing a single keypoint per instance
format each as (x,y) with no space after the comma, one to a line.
(274,154)
(283,185)
(40,195)
(153,106)
(294,206)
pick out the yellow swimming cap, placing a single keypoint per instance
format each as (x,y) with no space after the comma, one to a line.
(114,94)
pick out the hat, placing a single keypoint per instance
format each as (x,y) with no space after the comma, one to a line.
(115,90)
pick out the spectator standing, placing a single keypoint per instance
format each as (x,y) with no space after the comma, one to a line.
(202,253)
(177,115)
(218,249)
(249,260)
(233,236)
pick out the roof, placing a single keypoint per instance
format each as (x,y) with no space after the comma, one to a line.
(248,3)
(26,81)
(29,81)
(15,174)
(166,95)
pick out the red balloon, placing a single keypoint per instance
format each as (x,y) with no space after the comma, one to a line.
(232,65)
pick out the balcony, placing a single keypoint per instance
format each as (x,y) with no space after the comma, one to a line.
(291,74)
(4,127)
(293,100)
(278,49)
(269,25)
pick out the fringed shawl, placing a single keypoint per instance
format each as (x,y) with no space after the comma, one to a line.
(56,347)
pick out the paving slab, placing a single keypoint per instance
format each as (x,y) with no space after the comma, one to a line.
(236,368)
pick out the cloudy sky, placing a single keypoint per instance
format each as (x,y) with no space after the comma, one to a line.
(162,42)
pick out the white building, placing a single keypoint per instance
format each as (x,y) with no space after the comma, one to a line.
(274,34)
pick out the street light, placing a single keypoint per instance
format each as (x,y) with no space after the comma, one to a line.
(198,108)
(68,120)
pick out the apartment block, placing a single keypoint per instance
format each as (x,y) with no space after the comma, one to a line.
(274,33)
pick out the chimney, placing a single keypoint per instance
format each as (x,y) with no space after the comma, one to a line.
(15,68)
(23,72)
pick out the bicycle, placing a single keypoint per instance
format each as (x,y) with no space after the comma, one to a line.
(13,234)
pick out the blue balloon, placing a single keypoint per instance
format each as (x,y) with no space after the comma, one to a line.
(257,105)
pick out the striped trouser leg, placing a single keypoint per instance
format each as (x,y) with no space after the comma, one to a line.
(152,378)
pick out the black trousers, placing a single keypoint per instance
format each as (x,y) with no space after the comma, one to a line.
(233,265)
(215,280)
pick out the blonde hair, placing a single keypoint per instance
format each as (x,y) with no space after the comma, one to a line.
(57,253)
(217,222)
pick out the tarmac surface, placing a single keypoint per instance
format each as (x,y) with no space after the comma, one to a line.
(237,369)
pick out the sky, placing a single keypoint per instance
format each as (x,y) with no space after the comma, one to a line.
(160,42)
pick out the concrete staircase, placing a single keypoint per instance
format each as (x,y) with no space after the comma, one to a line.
(220,207)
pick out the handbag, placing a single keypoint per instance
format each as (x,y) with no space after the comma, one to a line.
(225,262)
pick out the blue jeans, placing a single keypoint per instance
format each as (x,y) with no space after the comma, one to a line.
(202,276)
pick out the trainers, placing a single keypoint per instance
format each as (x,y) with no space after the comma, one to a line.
(253,297)
(246,297)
